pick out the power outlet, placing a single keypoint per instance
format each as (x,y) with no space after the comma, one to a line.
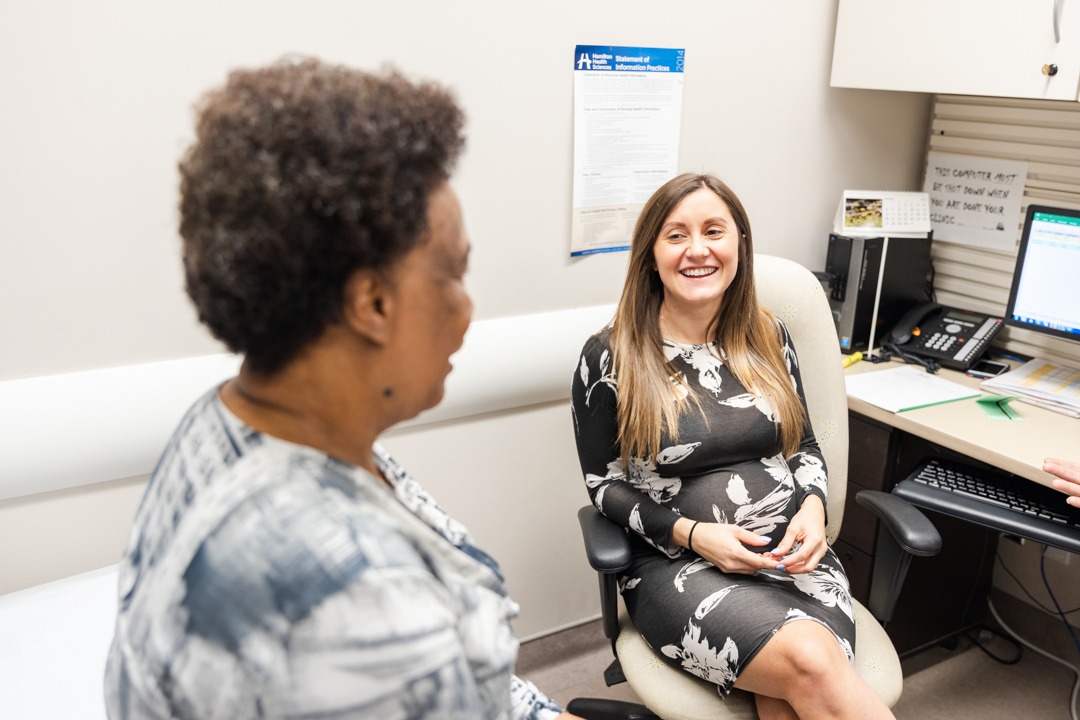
(1063,557)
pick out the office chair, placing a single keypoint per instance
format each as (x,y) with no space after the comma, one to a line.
(796,297)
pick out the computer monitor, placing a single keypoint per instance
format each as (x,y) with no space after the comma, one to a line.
(1045,293)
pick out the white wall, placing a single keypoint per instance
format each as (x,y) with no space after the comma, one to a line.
(97,101)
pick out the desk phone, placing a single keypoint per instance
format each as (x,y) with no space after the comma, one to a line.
(955,338)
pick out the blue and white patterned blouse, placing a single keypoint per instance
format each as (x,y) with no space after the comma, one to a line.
(265,579)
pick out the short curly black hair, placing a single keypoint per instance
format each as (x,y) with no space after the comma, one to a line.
(301,173)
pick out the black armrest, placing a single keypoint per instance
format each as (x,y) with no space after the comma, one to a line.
(911,529)
(604,709)
(608,550)
(904,532)
(606,544)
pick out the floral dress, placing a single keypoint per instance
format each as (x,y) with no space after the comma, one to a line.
(265,579)
(727,466)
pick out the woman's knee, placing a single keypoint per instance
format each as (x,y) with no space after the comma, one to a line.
(810,652)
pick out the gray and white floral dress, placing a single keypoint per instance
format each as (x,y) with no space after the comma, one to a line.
(728,467)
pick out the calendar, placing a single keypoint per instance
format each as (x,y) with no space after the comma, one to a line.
(877,213)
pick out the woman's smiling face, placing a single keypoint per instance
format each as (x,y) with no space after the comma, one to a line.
(697,252)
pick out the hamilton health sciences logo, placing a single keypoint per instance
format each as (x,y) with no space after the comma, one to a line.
(584,61)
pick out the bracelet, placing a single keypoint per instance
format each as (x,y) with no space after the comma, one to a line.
(690,537)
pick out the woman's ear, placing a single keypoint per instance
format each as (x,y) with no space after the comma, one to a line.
(367,305)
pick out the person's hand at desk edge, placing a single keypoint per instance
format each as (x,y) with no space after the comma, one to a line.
(1068,478)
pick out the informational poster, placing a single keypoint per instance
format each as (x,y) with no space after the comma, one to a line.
(627,114)
(975,200)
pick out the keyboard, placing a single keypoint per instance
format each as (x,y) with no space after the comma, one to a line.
(993,499)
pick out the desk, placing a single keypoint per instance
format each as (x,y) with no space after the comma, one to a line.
(1015,447)
(944,594)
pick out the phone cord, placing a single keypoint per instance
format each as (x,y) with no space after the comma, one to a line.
(888,350)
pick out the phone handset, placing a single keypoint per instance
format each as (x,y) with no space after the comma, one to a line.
(901,334)
(913,318)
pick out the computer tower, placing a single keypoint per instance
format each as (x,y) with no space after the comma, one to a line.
(873,281)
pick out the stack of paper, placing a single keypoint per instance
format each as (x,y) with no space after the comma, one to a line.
(1055,387)
(905,388)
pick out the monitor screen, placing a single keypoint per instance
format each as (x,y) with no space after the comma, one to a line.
(1045,294)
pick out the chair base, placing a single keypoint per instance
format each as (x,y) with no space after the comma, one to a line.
(614,675)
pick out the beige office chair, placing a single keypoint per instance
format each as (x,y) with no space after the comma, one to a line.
(796,297)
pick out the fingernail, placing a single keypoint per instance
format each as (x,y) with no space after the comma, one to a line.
(780,567)
(764,538)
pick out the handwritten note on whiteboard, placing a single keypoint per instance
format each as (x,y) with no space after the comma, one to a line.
(975,200)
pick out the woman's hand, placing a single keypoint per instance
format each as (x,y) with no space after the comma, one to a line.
(722,545)
(1069,474)
(806,531)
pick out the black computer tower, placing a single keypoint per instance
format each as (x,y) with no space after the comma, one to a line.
(865,274)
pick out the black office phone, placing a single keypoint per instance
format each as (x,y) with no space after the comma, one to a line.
(955,338)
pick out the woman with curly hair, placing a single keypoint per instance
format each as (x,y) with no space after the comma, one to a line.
(282,563)
(692,433)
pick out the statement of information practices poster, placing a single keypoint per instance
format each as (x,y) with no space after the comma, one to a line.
(975,200)
(627,114)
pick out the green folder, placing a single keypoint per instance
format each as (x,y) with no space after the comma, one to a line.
(997,407)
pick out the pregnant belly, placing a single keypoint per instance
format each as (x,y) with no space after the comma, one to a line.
(750,495)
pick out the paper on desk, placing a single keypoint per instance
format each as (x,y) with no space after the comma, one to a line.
(1055,387)
(905,388)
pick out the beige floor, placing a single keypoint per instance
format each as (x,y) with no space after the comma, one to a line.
(960,684)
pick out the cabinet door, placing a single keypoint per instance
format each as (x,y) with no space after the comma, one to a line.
(964,47)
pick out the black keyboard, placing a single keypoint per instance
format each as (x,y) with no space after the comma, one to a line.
(1004,491)
(994,499)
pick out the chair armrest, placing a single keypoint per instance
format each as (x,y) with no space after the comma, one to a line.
(904,532)
(606,544)
(911,529)
(608,551)
(606,709)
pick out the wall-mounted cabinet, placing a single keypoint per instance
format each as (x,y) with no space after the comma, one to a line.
(1005,48)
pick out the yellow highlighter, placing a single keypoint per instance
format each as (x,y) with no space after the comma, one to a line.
(851,359)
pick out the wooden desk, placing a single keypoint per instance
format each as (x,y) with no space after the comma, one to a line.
(1015,447)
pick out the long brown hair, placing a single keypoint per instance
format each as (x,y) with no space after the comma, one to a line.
(748,334)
